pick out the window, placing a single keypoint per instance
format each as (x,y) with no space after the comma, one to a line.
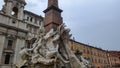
(95,60)
(88,51)
(13,22)
(31,19)
(17,4)
(92,60)
(10,44)
(35,30)
(40,22)
(105,62)
(30,28)
(35,20)
(27,18)
(99,61)
(91,52)
(14,11)
(7,59)
(84,51)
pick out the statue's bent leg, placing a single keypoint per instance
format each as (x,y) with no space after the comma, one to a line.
(61,58)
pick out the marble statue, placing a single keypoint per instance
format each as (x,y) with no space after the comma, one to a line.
(84,62)
(51,48)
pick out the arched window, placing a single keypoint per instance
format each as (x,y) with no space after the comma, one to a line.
(14,11)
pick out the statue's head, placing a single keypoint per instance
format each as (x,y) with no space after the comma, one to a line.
(78,51)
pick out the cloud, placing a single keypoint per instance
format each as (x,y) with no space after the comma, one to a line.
(94,22)
(1,3)
(36,6)
(91,21)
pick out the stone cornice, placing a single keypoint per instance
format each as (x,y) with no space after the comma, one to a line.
(12,27)
(54,8)
(13,18)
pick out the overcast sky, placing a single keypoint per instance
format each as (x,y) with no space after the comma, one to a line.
(93,22)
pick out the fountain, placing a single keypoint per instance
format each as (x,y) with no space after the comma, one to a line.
(50,50)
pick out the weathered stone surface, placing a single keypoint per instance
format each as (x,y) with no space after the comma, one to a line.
(19,44)
(2,42)
(51,50)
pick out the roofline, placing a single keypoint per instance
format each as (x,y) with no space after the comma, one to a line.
(87,45)
(39,16)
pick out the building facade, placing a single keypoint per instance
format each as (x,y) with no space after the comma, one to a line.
(114,58)
(17,28)
(97,57)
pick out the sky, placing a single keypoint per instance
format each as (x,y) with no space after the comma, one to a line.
(93,22)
